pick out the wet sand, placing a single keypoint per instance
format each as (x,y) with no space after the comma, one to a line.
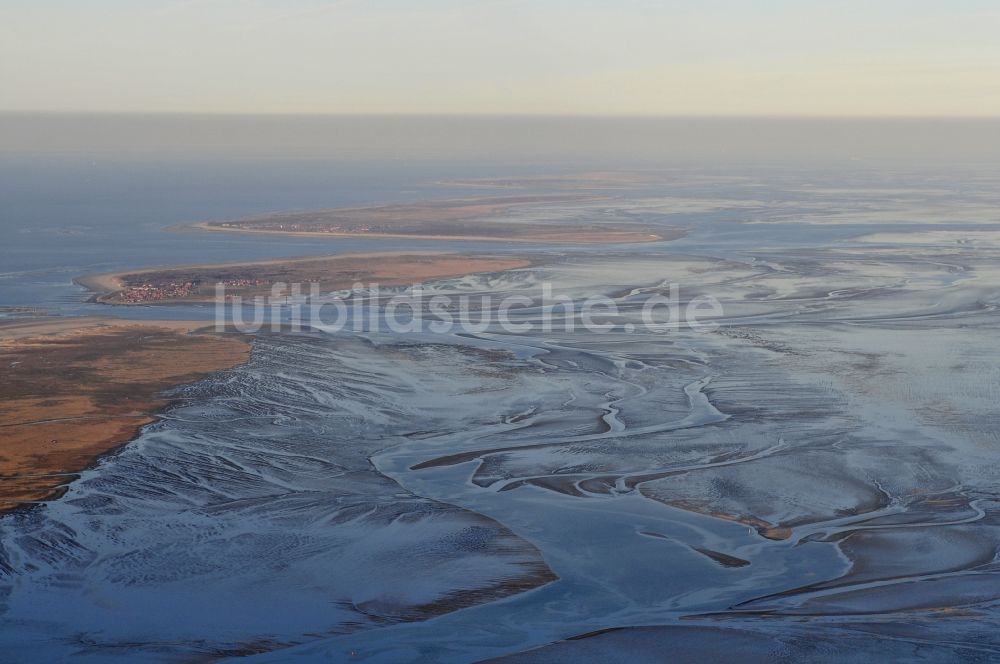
(75,389)
(727,645)
(230,487)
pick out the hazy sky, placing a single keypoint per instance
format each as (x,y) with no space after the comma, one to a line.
(786,57)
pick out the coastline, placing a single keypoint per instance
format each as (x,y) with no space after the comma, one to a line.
(613,237)
(100,283)
(78,389)
(332,272)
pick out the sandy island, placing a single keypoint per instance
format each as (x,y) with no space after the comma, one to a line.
(74,389)
(484,219)
(197,283)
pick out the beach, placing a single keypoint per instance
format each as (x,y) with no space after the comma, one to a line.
(594,237)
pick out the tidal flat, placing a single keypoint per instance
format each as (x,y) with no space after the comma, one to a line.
(814,475)
(76,389)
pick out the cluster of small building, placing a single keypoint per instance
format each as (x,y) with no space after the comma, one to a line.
(174,290)
(245,283)
(152,293)
(308,228)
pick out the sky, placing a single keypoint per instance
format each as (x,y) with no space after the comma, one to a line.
(914,58)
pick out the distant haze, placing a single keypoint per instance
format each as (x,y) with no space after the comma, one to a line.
(524,141)
(576,57)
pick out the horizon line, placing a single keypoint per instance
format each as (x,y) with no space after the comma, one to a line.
(482,115)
